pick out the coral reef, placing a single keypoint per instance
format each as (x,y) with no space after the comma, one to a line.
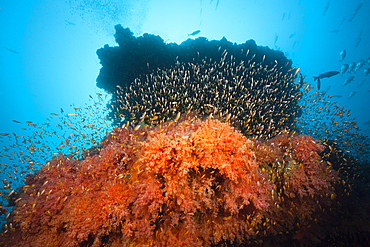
(208,150)
(190,182)
(233,81)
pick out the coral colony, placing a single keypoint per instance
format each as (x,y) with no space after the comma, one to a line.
(212,146)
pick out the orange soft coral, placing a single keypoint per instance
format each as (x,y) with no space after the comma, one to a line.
(188,183)
(204,181)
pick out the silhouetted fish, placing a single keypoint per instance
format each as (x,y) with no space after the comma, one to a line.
(326,8)
(276,38)
(359,65)
(291,36)
(342,55)
(348,80)
(355,12)
(351,94)
(344,18)
(194,33)
(324,75)
(366,72)
(344,68)
(301,83)
(11,50)
(70,23)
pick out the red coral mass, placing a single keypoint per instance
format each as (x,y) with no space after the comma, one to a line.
(191,183)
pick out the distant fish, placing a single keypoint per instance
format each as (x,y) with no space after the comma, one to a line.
(326,8)
(334,31)
(367,122)
(359,65)
(361,83)
(276,38)
(351,67)
(283,16)
(344,68)
(355,12)
(343,19)
(348,80)
(291,36)
(11,50)
(294,43)
(324,75)
(218,1)
(194,33)
(359,34)
(358,39)
(301,83)
(351,94)
(70,23)
(366,72)
(358,42)
(342,55)
(327,89)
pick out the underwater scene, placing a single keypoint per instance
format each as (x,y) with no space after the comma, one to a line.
(184,123)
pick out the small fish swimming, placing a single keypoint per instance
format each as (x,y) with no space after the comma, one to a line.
(11,50)
(355,12)
(344,68)
(301,83)
(276,38)
(342,55)
(367,122)
(326,8)
(70,23)
(218,1)
(359,65)
(291,36)
(351,67)
(361,83)
(194,33)
(366,72)
(358,39)
(351,94)
(343,19)
(348,80)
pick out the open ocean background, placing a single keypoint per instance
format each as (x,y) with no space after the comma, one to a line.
(48,58)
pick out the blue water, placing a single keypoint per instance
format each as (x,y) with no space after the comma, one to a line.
(48,49)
